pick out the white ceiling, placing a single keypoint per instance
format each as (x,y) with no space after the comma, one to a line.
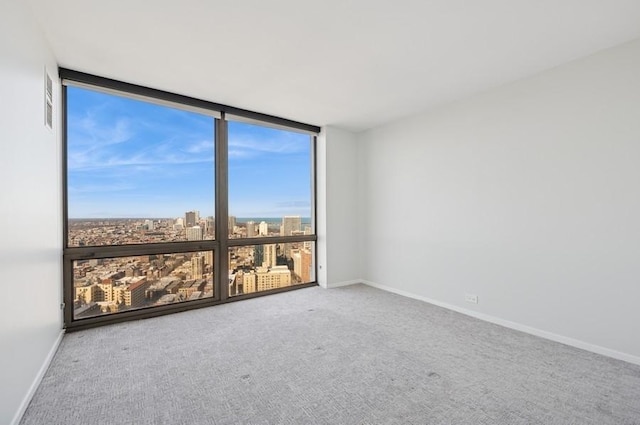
(354,64)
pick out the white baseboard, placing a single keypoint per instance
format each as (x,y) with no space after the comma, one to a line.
(38,379)
(513,325)
(344,283)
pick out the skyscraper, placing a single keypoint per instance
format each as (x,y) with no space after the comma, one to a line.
(290,224)
(190,218)
(263,229)
(258,255)
(210,226)
(232,223)
(197,267)
(251,229)
(194,233)
(208,258)
(307,265)
(265,255)
(269,255)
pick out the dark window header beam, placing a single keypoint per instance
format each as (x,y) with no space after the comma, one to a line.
(81,77)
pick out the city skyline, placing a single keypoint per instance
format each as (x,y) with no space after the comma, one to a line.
(177,216)
(132,159)
(190,226)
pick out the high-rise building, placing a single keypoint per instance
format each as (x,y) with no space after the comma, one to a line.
(134,292)
(88,294)
(290,224)
(275,277)
(263,228)
(208,258)
(265,255)
(302,264)
(148,224)
(232,224)
(191,218)
(263,279)
(251,229)
(258,255)
(106,291)
(248,283)
(269,256)
(194,233)
(197,267)
(210,226)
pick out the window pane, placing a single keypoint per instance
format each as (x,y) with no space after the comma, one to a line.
(112,285)
(137,172)
(269,181)
(257,268)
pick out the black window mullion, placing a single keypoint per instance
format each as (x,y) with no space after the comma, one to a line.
(81,77)
(107,251)
(271,240)
(222,207)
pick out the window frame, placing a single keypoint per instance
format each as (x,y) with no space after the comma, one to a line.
(220,245)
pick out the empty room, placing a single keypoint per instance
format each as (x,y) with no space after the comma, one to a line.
(339,212)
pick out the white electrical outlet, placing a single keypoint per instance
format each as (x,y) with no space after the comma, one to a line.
(470,298)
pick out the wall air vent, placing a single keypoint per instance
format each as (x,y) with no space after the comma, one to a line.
(48,100)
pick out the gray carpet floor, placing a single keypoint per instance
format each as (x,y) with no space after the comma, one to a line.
(353,355)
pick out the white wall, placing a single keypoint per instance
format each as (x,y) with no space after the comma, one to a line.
(527,196)
(338,213)
(30,211)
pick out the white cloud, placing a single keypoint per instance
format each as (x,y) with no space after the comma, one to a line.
(200,147)
(246,146)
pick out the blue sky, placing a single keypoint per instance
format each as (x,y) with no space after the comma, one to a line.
(128,158)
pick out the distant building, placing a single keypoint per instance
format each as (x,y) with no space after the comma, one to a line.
(88,294)
(270,256)
(263,228)
(134,294)
(194,233)
(276,277)
(106,291)
(195,295)
(87,310)
(210,224)
(302,264)
(197,267)
(264,279)
(168,299)
(248,282)
(129,291)
(189,287)
(208,258)
(290,224)
(265,255)
(191,218)
(251,229)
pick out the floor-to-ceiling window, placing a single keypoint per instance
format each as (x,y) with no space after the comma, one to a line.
(270,197)
(172,202)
